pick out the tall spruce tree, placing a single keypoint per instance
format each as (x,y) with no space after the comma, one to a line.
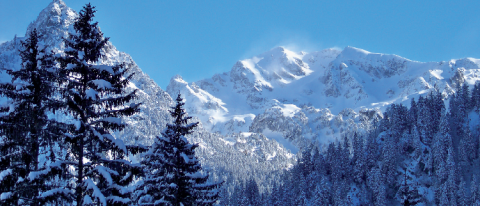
(389,163)
(96,100)
(28,135)
(151,189)
(252,192)
(173,175)
(476,96)
(440,149)
(412,114)
(474,190)
(463,198)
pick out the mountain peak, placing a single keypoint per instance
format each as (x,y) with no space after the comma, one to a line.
(354,53)
(282,52)
(278,49)
(177,78)
(53,22)
(57,2)
(176,84)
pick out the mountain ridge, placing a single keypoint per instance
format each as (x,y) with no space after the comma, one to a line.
(331,80)
(266,109)
(256,152)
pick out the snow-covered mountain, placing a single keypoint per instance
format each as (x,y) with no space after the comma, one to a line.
(295,97)
(266,108)
(255,152)
(54,23)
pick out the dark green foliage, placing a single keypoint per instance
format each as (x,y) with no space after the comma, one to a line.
(95,97)
(475,101)
(252,193)
(173,175)
(423,149)
(27,133)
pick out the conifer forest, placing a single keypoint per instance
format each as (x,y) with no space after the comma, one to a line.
(77,161)
(81,124)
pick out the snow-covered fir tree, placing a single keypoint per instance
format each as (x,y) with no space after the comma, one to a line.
(474,196)
(252,192)
(28,137)
(475,100)
(95,99)
(426,154)
(173,174)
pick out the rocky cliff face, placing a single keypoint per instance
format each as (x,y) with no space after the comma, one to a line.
(266,108)
(255,151)
(298,97)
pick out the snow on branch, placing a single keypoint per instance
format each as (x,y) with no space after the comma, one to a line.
(96,192)
(5,173)
(104,68)
(87,200)
(187,159)
(117,199)
(116,141)
(105,173)
(195,175)
(102,84)
(70,66)
(36,175)
(6,195)
(113,120)
(56,192)
(91,93)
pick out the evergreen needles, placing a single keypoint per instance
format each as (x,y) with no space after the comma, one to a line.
(173,174)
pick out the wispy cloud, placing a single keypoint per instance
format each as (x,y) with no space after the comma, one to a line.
(292,40)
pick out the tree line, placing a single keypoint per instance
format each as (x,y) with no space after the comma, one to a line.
(57,125)
(425,154)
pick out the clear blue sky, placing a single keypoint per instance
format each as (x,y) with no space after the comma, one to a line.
(197,39)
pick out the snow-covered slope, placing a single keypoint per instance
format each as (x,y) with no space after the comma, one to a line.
(271,105)
(295,97)
(255,151)
(54,23)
